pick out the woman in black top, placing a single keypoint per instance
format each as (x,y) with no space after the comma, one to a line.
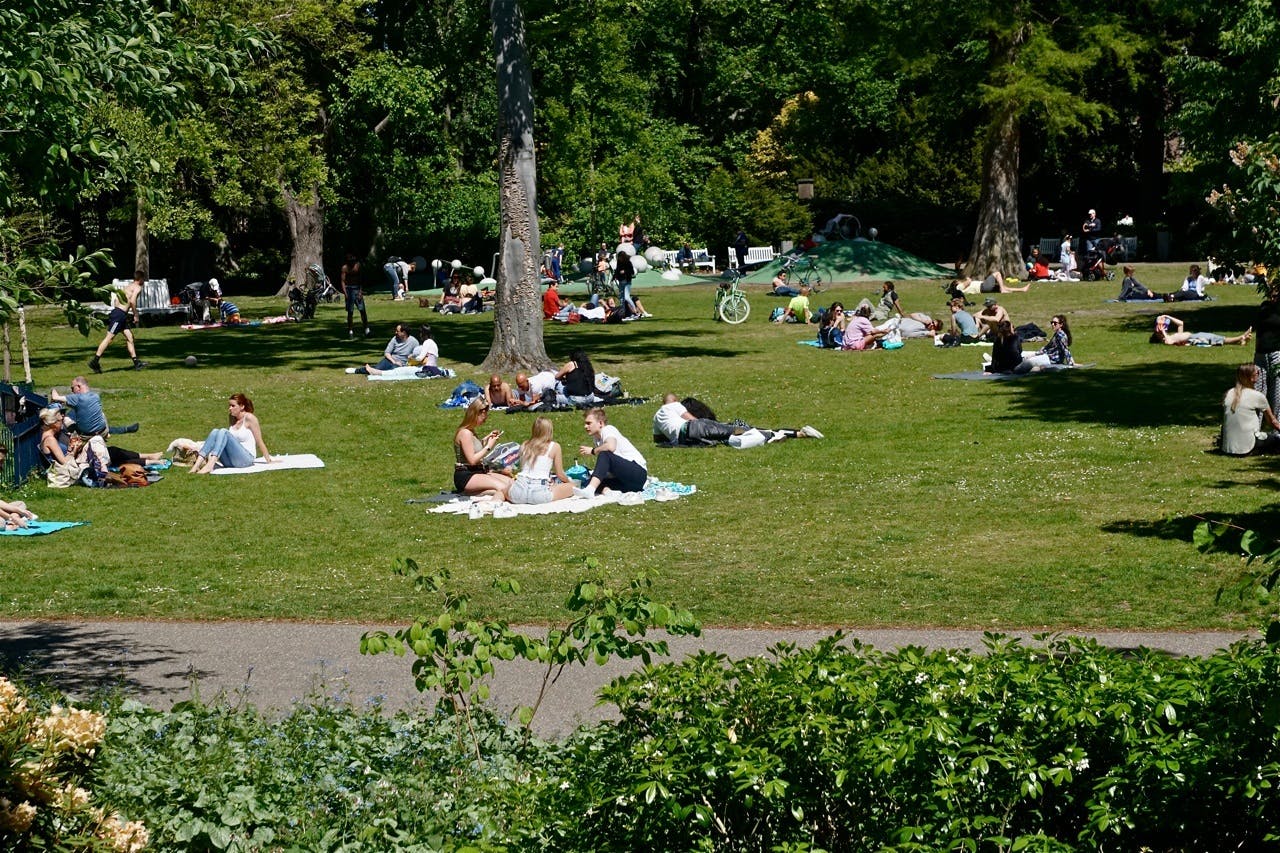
(577,377)
(1006,353)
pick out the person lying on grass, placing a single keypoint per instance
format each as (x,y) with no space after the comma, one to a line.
(1172,331)
(675,424)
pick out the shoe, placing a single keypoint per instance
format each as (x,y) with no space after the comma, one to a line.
(350,335)
(581,492)
(350,370)
(811,432)
(776,436)
(124,429)
(398,299)
(95,365)
(367,331)
(986,358)
(140,365)
(646,315)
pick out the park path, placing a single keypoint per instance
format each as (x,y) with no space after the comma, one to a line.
(272,665)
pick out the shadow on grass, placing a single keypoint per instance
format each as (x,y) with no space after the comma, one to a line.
(1155,394)
(81,661)
(1265,521)
(323,344)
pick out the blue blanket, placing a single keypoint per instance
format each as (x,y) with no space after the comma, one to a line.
(39,528)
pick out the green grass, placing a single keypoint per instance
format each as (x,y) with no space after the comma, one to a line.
(1057,501)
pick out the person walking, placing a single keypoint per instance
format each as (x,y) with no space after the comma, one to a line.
(354,293)
(124,312)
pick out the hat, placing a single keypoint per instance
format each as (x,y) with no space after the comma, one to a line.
(214,287)
(989,301)
(1093,212)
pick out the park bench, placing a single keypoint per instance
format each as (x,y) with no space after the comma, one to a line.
(756,255)
(154,300)
(701,259)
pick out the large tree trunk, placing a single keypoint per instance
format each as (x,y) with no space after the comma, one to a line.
(141,241)
(305,219)
(517,321)
(996,239)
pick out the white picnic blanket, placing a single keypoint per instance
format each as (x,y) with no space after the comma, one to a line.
(277,463)
(486,508)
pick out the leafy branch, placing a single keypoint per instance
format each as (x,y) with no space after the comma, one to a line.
(1262,561)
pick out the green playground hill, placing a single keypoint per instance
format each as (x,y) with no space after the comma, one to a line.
(859,260)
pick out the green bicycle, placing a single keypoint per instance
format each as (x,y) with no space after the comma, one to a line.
(804,270)
(731,303)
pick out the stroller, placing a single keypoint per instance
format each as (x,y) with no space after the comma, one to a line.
(303,298)
(1106,251)
(321,284)
(196,297)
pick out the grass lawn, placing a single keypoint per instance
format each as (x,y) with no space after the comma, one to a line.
(1056,501)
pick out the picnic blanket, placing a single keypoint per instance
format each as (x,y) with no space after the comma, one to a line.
(979,375)
(245,324)
(399,374)
(654,490)
(1133,300)
(278,463)
(40,528)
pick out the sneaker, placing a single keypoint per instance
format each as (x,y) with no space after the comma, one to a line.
(811,432)
(776,435)
(367,331)
(581,492)
(350,370)
(140,365)
(95,365)
(986,358)
(350,335)
(646,315)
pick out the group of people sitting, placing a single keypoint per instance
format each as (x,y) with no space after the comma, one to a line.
(74,436)
(574,384)
(407,356)
(624,309)
(1192,288)
(618,465)
(460,295)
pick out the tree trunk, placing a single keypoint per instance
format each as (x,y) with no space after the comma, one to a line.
(141,241)
(996,240)
(305,219)
(517,321)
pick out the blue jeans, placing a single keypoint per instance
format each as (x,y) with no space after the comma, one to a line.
(624,295)
(231,453)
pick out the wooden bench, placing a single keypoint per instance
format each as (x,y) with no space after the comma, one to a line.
(701,259)
(756,256)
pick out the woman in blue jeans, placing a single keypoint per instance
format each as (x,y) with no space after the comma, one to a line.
(235,446)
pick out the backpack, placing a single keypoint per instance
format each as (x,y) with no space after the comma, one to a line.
(776,314)
(462,396)
(608,387)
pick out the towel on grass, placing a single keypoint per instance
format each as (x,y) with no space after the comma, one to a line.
(278,463)
(979,375)
(39,528)
(654,490)
(1133,300)
(398,374)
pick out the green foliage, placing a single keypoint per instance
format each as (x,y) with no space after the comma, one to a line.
(1262,573)
(31,270)
(1252,204)
(847,748)
(456,652)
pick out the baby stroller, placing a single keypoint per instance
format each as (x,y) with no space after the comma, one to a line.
(196,297)
(1104,252)
(302,302)
(321,284)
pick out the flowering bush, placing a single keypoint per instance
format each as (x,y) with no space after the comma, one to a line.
(1252,205)
(43,756)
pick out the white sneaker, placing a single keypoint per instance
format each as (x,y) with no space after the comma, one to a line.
(986,358)
(777,435)
(646,315)
(581,492)
(811,432)
(350,370)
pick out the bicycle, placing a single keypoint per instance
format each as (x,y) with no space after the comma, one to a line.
(731,303)
(601,284)
(804,270)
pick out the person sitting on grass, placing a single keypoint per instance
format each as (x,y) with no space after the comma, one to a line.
(888,305)
(1131,289)
(540,457)
(553,307)
(1172,331)
(797,310)
(234,446)
(1057,351)
(831,327)
(618,465)
(1244,412)
(55,444)
(1193,286)
(1037,266)
(523,396)
(991,315)
(399,349)
(13,514)
(470,476)
(1006,350)
(858,333)
(577,378)
(964,329)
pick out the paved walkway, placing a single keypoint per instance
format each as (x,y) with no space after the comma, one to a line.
(275,664)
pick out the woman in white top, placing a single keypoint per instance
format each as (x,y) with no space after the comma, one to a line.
(1243,412)
(539,457)
(235,446)
(618,464)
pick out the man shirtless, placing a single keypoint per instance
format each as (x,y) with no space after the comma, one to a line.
(124,308)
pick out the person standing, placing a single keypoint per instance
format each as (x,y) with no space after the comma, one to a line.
(1091,230)
(557,263)
(124,311)
(354,293)
(740,248)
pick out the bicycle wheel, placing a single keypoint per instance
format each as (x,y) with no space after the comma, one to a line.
(734,308)
(817,278)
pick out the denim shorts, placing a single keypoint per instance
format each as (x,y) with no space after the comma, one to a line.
(526,491)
